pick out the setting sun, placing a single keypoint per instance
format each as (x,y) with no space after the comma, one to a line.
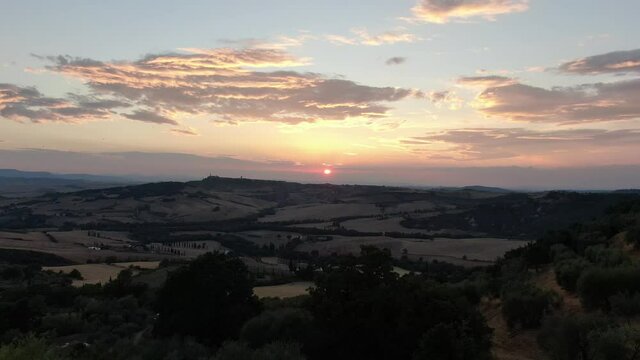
(327,171)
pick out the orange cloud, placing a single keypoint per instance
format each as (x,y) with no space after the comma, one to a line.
(443,11)
(584,103)
(485,81)
(363,37)
(26,103)
(500,143)
(231,85)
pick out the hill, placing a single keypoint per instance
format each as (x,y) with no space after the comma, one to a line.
(16,183)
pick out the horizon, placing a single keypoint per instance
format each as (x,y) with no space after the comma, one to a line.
(311,178)
(406,93)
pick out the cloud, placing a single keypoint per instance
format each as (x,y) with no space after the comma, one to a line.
(445,97)
(27,103)
(485,81)
(499,143)
(396,60)
(229,85)
(150,117)
(443,11)
(187,132)
(617,62)
(281,42)
(584,103)
(363,37)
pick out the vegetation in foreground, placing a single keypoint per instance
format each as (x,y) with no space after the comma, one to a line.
(359,308)
(206,310)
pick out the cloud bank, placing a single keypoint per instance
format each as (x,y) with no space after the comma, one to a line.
(599,102)
(228,85)
(617,62)
(502,143)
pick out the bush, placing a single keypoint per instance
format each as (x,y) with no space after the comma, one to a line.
(606,256)
(560,252)
(633,236)
(28,348)
(588,337)
(597,285)
(568,272)
(286,324)
(525,305)
(624,304)
(75,274)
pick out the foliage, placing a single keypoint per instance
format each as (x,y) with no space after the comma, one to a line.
(272,351)
(525,305)
(75,274)
(588,337)
(364,310)
(568,272)
(606,256)
(28,348)
(284,324)
(597,285)
(625,304)
(29,257)
(208,299)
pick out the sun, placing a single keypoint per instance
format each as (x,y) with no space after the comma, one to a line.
(327,171)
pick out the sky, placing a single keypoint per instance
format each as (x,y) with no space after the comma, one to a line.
(513,93)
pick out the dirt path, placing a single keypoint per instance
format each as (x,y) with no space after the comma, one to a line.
(521,345)
(570,302)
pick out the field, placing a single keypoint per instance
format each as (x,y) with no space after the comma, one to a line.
(101,273)
(184,220)
(468,252)
(283,291)
(376,225)
(77,246)
(321,212)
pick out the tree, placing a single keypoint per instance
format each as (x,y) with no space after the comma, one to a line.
(75,274)
(588,337)
(364,310)
(208,299)
(285,324)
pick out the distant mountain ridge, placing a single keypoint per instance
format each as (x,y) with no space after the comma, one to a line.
(14,173)
(18,183)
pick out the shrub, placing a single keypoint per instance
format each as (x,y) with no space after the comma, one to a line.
(587,337)
(28,348)
(525,305)
(286,324)
(625,304)
(606,256)
(597,285)
(633,236)
(568,272)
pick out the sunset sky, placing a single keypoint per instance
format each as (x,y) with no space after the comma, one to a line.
(513,93)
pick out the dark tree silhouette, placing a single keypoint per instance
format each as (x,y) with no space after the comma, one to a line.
(208,299)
